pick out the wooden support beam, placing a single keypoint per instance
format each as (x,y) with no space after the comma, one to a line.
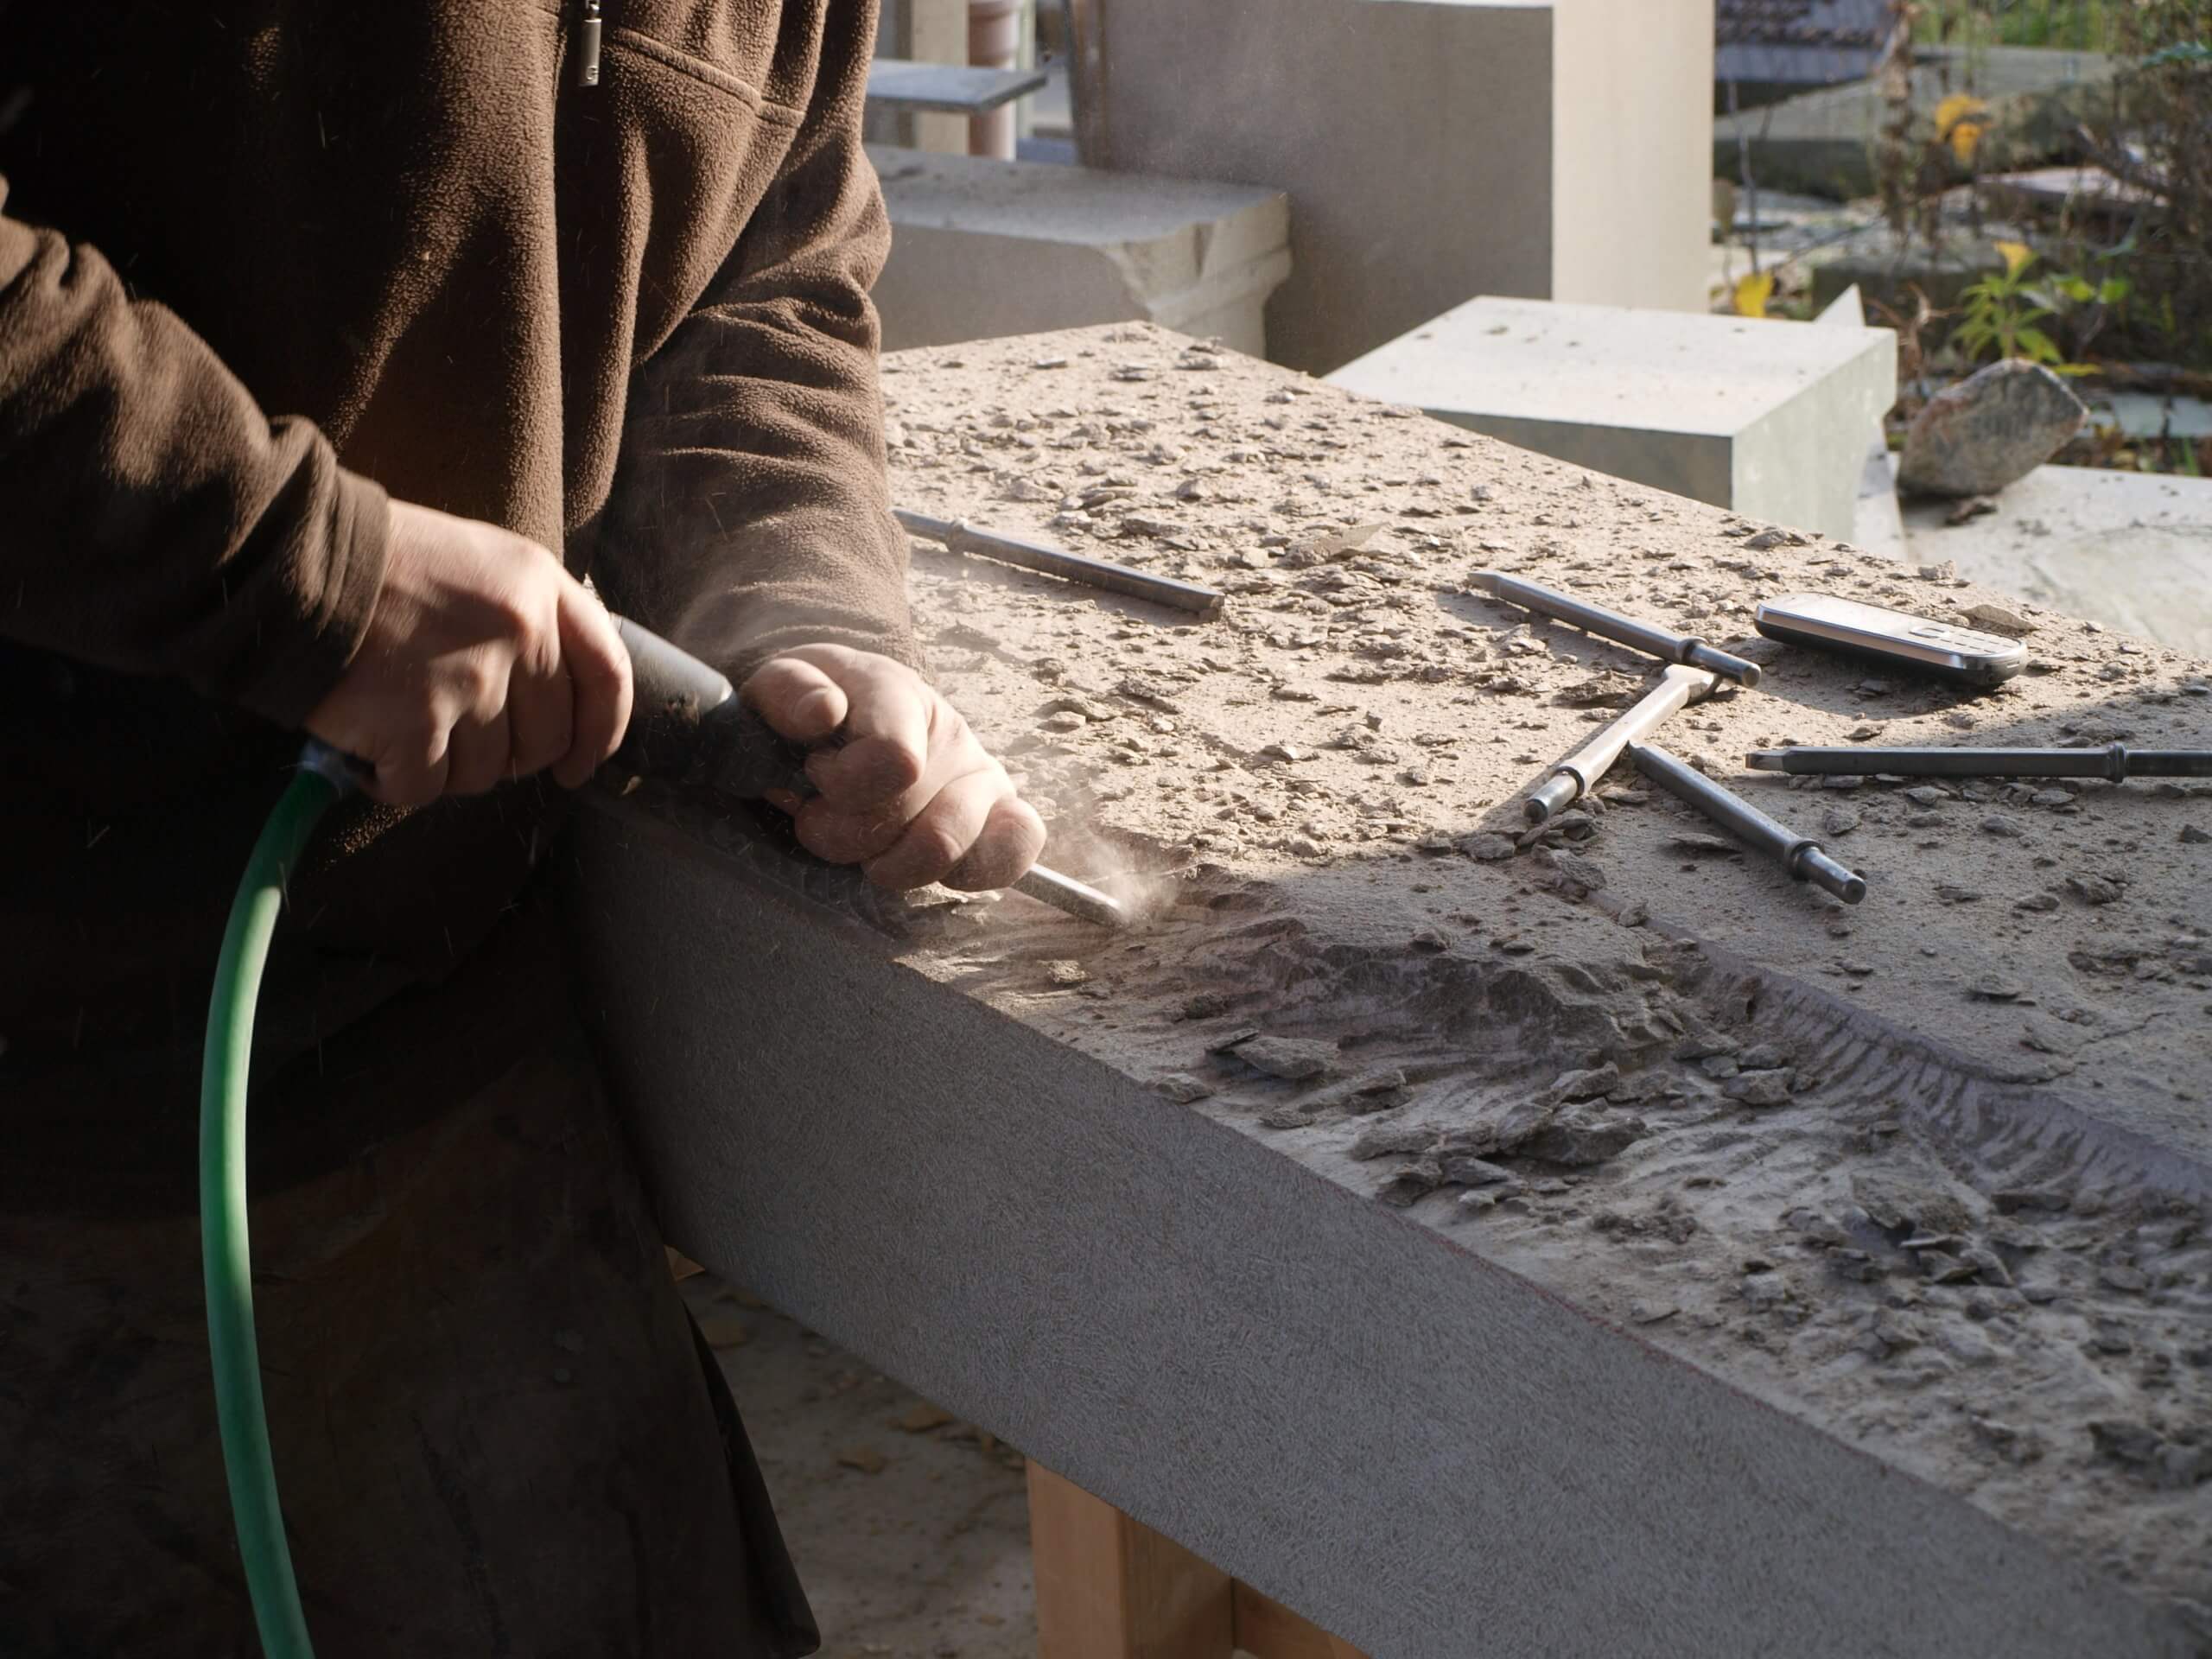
(1109,1587)
(1268,1630)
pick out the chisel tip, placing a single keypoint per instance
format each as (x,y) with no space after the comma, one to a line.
(1063,894)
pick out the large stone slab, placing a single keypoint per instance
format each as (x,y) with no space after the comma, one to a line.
(1434,149)
(1768,416)
(1683,1389)
(1823,141)
(2130,551)
(982,248)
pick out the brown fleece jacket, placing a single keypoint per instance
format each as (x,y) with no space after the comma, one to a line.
(263,263)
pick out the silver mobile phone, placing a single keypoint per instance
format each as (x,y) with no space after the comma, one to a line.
(1897,639)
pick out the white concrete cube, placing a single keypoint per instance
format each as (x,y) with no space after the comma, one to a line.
(1766,417)
(982,248)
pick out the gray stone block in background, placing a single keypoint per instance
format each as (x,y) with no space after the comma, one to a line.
(1822,142)
(1766,417)
(982,248)
(1433,149)
(2129,549)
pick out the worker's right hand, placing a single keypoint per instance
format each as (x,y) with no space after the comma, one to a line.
(484,660)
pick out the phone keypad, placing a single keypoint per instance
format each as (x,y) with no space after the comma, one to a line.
(1960,637)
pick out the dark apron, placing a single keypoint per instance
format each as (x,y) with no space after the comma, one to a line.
(495,1429)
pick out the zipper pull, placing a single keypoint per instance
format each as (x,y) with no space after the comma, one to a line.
(586,72)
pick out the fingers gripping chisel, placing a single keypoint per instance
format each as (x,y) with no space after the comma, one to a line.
(689,726)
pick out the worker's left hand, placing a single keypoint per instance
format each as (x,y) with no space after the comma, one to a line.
(909,795)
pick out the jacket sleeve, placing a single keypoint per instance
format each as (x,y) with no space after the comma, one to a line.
(152,519)
(750,511)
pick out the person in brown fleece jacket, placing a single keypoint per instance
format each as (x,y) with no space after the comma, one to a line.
(338,343)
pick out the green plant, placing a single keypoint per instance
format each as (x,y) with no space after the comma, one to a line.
(2153,133)
(2001,311)
(2075,25)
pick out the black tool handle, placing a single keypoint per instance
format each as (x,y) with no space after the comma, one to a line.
(2115,762)
(2168,763)
(673,693)
(688,725)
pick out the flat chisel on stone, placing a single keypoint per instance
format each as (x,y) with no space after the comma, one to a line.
(966,539)
(1799,854)
(2115,761)
(1653,640)
(1577,775)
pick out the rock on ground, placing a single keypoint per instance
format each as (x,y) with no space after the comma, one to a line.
(1996,425)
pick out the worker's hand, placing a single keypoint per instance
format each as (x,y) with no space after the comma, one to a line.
(910,796)
(484,660)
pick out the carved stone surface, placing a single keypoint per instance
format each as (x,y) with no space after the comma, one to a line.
(1613,1248)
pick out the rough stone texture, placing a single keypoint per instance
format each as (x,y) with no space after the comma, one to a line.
(1769,418)
(1433,149)
(982,248)
(1998,425)
(2132,551)
(1903,1345)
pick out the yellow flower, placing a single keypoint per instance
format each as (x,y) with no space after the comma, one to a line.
(1960,119)
(1752,293)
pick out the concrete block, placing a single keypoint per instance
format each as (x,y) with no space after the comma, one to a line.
(904,83)
(982,248)
(2128,549)
(1768,417)
(926,31)
(1384,1431)
(1433,149)
(1877,524)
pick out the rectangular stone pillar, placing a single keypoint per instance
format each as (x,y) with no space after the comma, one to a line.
(1433,149)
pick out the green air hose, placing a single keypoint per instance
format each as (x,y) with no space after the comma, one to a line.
(240,1419)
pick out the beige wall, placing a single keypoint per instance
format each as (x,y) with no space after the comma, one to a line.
(926,31)
(1414,140)
(1632,149)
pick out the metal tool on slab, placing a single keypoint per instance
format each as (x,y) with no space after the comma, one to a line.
(1577,775)
(2115,761)
(1799,854)
(689,726)
(1653,640)
(1057,562)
